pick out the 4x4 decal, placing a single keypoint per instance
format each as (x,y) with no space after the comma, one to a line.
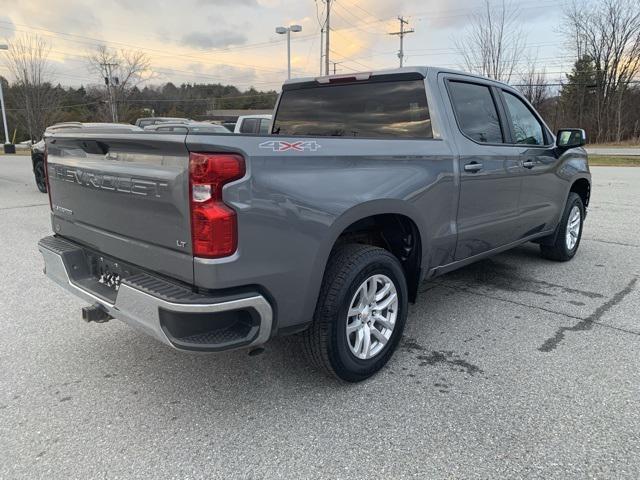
(299,146)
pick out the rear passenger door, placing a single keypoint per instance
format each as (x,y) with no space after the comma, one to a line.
(542,194)
(490,174)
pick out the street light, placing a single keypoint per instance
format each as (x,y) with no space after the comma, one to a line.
(4,115)
(288,30)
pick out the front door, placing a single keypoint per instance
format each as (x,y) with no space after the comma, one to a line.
(542,195)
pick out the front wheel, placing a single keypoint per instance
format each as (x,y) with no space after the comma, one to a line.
(361,312)
(41,179)
(569,233)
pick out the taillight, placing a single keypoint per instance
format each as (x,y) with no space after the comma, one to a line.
(214,227)
(46,175)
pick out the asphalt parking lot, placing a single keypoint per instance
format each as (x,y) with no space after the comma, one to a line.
(515,367)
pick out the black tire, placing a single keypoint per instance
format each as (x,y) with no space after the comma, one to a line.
(558,250)
(41,180)
(325,341)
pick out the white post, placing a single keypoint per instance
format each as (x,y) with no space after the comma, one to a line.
(288,30)
(4,117)
(4,114)
(288,53)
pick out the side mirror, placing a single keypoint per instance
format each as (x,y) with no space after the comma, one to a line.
(571,138)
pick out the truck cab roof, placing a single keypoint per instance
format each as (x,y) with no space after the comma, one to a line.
(420,70)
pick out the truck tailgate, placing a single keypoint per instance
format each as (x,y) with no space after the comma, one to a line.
(126,195)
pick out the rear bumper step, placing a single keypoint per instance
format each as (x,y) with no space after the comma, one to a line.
(171,313)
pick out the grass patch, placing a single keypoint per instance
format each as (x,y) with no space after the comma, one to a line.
(613,161)
(628,144)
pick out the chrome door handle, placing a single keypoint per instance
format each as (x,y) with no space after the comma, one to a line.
(473,167)
(528,164)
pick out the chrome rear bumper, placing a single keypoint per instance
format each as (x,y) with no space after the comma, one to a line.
(161,308)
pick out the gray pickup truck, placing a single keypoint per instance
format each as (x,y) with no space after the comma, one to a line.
(367,184)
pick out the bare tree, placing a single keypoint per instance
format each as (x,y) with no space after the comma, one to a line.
(534,85)
(121,71)
(28,61)
(608,32)
(493,43)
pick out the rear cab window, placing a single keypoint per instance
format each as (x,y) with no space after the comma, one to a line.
(249,125)
(364,109)
(476,111)
(265,124)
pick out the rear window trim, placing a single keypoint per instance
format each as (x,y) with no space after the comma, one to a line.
(411,76)
(497,103)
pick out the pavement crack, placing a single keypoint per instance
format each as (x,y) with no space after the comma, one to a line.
(493,297)
(24,206)
(587,324)
(505,277)
(610,242)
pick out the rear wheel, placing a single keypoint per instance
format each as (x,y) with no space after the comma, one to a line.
(361,312)
(569,233)
(41,180)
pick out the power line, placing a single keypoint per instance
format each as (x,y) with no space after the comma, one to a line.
(349,22)
(100,43)
(367,11)
(351,60)
(249,46)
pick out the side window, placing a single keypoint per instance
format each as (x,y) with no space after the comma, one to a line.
(249,125)
(526,127)
(476,112)
(265,123)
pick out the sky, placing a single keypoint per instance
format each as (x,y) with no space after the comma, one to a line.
(234,41)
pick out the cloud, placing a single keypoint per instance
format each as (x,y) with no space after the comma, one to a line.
(229,3)
(68,16)
(220,39)
(7,27)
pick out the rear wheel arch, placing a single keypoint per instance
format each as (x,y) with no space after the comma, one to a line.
(396,231)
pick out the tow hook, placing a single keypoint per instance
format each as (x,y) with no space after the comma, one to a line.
(95,313)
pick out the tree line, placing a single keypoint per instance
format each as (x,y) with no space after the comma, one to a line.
(123,91)
(601,93)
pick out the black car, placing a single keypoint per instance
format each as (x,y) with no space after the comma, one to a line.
(37,159)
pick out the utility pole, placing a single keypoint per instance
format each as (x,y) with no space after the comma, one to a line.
(108,80)
(327,29)
(321,47)
(401,34)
